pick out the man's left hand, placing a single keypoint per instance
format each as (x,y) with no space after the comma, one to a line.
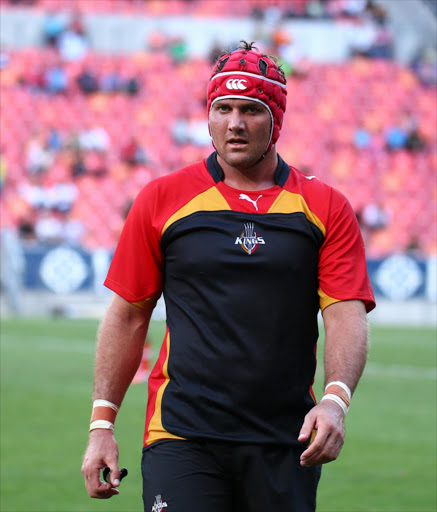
(327,419)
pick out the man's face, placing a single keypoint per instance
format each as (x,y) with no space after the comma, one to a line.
(240,130)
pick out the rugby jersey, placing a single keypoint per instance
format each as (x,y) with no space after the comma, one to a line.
(244,275)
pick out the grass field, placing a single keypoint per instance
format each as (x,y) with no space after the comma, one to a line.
(388,463)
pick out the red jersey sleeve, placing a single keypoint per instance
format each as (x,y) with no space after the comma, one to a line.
(135,272)
(342,263)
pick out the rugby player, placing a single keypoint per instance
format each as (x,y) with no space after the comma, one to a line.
(246,250)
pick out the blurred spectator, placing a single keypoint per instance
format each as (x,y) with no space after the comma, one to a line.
(374,216)
(424,65)
(38,158)
(272,15)
(34,192)
(110,80)
(178,50)
(315,9)
(77,24)
(78,167)
(369,139)
(53,26)
(54,141)
(372,219)
(362,138)
(73,229)
(133,153)
(375,39)
(353,8)
(415,140)
(62,195)
(396,137)
(405,134)
(132,86)
(72,43)
(56,80)
(198,131)
(414,248)
(179,130)
(214,52)
(289,54)
(157,41)
(94,137)
(382,45)
(373,42)
(48,227)
(88,82)
(376,12)
(26,230)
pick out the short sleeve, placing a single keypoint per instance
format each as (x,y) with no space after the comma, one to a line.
(135,272)
(342,263)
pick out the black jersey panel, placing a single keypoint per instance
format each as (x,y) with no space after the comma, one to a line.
(228,372)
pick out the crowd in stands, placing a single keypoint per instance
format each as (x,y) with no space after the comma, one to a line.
(269,10)
(82,132)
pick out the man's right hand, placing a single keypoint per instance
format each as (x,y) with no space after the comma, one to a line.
(102,451)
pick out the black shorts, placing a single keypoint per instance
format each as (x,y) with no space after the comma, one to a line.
(198,476)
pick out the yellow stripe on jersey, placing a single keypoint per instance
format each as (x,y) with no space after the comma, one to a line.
(156,431)
(290,202)
(148,303)
(326,300)
(208,201)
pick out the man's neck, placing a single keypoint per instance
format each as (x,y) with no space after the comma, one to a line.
(257,177)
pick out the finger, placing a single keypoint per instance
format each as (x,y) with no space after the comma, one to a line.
(307,428)
(313,450)
(114,475)
(328,452)
(99,489)
(103,492)
(92,479)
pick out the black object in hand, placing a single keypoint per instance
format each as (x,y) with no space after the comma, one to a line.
(107,471)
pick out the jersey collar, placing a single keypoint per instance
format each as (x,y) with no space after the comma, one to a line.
(281,173)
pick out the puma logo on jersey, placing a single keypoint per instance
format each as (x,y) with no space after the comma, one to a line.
(247,198)
(310,177)
(249,239)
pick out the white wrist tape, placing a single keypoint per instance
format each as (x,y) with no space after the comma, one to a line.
(105,403)
(101,424)
(337,400)
(342,385)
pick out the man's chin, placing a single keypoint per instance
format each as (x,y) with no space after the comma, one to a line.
(240,160)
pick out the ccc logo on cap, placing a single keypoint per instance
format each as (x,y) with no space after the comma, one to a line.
(236,83)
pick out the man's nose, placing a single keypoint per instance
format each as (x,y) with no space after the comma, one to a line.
(236,120)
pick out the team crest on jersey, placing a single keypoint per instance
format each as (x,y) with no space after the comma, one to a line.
(249,239)
(159,504)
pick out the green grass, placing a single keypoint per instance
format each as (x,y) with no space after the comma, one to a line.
(388,463)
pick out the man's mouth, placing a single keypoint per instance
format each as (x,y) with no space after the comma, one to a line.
(237,142)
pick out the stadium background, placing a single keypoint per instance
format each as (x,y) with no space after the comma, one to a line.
(98,97)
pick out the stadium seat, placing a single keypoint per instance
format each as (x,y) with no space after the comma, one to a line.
(324,109)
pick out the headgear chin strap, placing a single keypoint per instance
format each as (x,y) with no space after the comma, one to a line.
(248,74)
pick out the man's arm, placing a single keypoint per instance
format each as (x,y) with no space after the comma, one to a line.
(346,346)
(120,345)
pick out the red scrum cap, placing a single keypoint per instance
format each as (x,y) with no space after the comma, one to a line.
(247,73)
